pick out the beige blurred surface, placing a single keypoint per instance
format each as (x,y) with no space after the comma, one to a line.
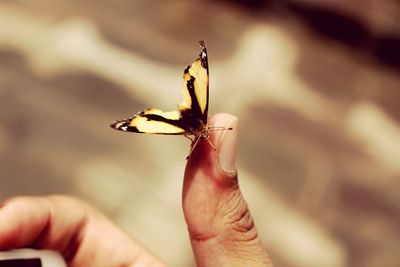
(319,148)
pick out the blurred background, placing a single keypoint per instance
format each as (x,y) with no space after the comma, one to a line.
(315,84)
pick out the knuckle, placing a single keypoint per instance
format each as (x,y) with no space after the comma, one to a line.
(239,222)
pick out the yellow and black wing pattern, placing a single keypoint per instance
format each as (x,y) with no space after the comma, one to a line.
(191,116)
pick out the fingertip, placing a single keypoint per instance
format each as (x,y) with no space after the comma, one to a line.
(211,169)
(219,150)
(14,216)
(221,118)
(226,141)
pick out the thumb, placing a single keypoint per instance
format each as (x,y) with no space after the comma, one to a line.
(222,231)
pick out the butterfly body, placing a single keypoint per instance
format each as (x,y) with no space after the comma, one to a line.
(190,118)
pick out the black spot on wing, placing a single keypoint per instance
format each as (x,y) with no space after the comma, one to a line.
(204,63)
(124,125)
(203,55)
(186,71)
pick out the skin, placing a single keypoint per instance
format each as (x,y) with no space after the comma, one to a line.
(221,229)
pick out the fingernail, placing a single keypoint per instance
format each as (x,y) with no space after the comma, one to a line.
(227,147)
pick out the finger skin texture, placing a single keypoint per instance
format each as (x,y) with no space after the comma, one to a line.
(81,234)
(221,229)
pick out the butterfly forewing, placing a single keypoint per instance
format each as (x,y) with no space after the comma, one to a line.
(195,89)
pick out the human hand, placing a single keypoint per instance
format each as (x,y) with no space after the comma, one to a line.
(221,229)
(80,233)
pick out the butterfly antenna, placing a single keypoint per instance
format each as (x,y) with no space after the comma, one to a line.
(219,128)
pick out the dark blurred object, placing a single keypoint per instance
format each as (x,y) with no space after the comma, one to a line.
(387,50)
(254,4)
(343,22)
(334,24)
(351,30)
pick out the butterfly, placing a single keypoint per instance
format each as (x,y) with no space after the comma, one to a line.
(190,118)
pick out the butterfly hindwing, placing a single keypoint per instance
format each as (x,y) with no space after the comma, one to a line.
(152,121)
(191,116)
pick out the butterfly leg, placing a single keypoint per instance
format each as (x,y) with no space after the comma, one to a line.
(187,136)
(195,142)
(211,144)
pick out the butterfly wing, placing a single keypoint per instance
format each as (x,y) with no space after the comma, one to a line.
(191,115)
(195,90)
(152,121)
